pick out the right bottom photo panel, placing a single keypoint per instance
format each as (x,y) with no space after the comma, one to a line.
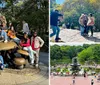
(75,64)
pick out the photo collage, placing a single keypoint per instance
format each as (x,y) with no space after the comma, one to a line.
(49,42)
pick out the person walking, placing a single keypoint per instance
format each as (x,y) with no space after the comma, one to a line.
(91,22)
(36,43)
(92,82)
(54,18)
(74,81)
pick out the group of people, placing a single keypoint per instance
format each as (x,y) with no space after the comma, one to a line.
(86,23)
(31,44)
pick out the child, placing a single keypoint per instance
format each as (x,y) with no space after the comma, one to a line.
(1,62)
(36,43)
(26,46)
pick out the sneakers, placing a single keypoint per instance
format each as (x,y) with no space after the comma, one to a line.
(5,41)
(57,39)
(37,65)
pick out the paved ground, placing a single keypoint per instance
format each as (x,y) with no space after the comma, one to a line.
(44,58)
(33,77)
(56,80)
(69,35)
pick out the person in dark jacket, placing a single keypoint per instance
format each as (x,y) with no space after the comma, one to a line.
(54,18)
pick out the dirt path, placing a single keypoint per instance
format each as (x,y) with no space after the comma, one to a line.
(26,76)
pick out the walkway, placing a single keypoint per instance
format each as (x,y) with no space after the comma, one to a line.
(27,76)
(56,80)
(69,35)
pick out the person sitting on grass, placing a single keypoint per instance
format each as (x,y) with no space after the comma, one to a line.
(1,62)
(3,35)
(12,35)
(26,46)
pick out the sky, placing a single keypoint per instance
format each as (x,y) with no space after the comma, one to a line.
(60,1)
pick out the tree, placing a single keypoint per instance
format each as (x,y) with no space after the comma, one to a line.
(72,10)
(92,53)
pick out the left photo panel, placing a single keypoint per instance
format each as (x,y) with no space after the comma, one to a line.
(24,42)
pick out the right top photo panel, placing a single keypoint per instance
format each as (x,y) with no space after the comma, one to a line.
(75,21)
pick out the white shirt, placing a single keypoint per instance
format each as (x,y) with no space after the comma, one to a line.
(25,28)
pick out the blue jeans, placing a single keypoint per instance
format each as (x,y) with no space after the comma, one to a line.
(17,40)
(86,29)
(1,63)
(82,30)
(1,59)
(55,30)
(4,34)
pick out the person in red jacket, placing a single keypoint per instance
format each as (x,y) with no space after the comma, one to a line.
(26,46)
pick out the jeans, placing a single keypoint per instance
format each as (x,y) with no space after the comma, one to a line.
(4,34)
(31,53)
(56,31)
(1,59)
(17,40)
(82,30)
(1,63)
(91,28)
(86,29)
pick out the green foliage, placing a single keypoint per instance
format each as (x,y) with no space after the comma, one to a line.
(64,54)
(28,10)
(91,54)
(37,18)
(58,69)
(72,10)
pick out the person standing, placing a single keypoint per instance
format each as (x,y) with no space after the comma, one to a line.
(25,27)
(90,23)
(81,24)
(54,18)
(85,20)
(36,43)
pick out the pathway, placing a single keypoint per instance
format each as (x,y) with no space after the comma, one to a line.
(69,35)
